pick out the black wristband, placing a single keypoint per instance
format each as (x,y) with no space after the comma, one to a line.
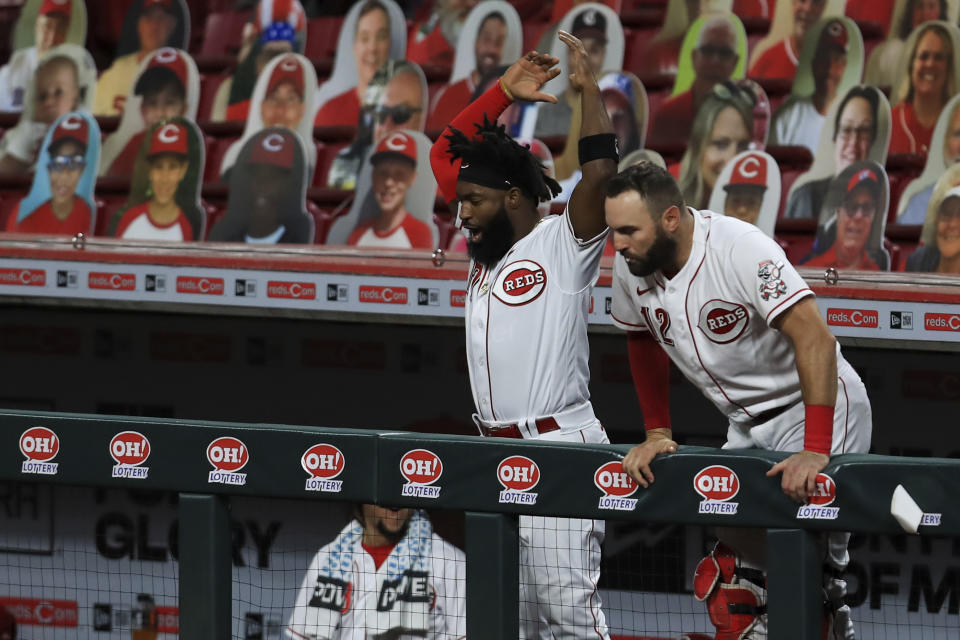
(599,146)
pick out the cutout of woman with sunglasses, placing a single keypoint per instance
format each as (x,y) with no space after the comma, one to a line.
(61,199)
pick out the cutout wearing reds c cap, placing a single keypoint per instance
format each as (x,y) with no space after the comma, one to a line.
(273,147)
(750,171)
(287,70)
(72,127)
(165,58)
(397,145)
(590,24)
(836,34)
(169,138)
(55,6)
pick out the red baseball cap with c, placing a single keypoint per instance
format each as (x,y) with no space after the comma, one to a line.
(55,6)
(287,70)
(72,127)
(749,171)
(169,138)
(398,145)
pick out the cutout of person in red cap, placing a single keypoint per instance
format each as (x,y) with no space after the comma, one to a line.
(856,219)
(749,189)
(71,146)
(277,27)
(159,23)
(158,213)
(283,104)
(49,30)
(394,173)
(780,59)
(268,192)
(930,81)
(832,60)
(166,87)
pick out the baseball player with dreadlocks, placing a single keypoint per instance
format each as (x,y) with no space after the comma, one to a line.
(528,296)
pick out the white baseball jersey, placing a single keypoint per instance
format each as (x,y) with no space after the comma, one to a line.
(526,321)
(447,582)
(713,317)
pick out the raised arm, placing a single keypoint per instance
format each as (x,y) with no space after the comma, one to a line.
(816,355)
(598,149)
(522,81)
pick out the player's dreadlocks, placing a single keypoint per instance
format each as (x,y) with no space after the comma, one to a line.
(495,150)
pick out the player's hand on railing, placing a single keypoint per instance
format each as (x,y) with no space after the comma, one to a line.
(525,77)
(581,76)
(800,474)
(638,459)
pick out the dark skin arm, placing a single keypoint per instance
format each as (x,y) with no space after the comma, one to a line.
(815,352)
(586,202)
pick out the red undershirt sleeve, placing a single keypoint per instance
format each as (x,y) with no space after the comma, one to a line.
(493,102)
(650,367)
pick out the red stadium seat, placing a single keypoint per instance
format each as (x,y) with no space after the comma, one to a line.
(896,255)
(216,149)
(902,168)
(322,34)
(792,161)
(532,32)
(326,152)
(209,84)
(106,209)
(321,222)
(635,46)
(7,205)
(223,32)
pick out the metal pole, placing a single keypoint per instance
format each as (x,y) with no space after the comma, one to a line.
(794,584)
(493,576)
(205,568)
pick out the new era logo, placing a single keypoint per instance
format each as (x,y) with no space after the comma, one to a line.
(336,293)
(67,279)
(245,288)
(607,302)
(153,282)
(901,320)
(429,297)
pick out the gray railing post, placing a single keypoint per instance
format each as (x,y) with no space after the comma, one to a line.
(493,576)
(794,584)
(205,545)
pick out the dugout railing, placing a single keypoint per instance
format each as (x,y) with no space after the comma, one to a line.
(491,480)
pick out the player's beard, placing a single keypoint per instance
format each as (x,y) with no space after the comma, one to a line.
(393,536)
(496,240)
(662,253)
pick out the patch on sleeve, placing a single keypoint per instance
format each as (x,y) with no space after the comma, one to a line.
(771,284)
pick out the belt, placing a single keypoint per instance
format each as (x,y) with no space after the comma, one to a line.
(770,414)
(542,425)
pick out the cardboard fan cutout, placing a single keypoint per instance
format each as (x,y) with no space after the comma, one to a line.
(850,231)
(66,73)
(749,189)
(268,189)
(884,62)
(164,200)
(283,97)
(395,99)
(396,215)
(686,74)
(923,87)
(492,35)
(939,249)
(42,25)
(61,199)
(340,97)
(588,20)
(831,62)
(147,26)
(777,55)
(856,128)
(663,53)
(167,85)
(944,153)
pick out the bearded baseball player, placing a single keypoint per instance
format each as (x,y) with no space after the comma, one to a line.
(526,314)
(717,297)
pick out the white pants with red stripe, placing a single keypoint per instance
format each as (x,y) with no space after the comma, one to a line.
(560,567)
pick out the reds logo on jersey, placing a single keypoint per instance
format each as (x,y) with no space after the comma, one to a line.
(723,322)
(771,285)
(520,282)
